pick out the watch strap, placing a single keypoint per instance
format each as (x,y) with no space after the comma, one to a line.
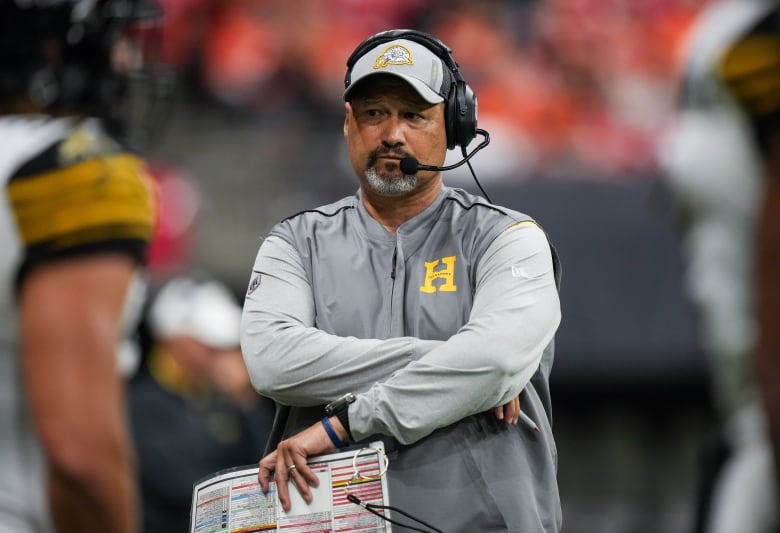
(342,413)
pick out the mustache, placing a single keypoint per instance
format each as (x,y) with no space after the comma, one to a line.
(383,152)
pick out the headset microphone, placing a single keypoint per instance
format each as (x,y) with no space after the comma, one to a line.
(410,165)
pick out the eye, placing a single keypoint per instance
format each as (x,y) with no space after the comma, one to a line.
(372,115)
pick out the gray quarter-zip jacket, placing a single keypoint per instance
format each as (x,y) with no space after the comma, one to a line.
(430,328)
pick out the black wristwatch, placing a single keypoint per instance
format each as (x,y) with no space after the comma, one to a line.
(340,409)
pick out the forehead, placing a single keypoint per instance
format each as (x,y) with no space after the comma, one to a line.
(387,86)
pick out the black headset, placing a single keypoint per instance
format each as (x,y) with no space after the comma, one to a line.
(460,102)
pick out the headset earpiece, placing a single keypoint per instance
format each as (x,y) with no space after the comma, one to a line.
(460,112)
(463,115)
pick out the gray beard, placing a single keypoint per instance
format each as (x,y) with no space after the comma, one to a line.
(390,186)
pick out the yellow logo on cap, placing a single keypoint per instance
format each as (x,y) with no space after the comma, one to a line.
(394,55)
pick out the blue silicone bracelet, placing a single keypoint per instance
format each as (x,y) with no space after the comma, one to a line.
(334,438)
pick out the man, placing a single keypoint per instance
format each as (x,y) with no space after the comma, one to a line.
(431,309)
(192,407)
(75,220)
(723,160)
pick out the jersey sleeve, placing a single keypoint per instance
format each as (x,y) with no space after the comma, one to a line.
(71,201)
(750,69)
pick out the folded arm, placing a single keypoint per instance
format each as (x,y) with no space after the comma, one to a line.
(292,361)
(488,362)
(406,387)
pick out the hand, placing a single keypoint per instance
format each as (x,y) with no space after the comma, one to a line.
(509,412)
(294,451)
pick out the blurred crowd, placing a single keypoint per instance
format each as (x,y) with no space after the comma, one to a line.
(567,88)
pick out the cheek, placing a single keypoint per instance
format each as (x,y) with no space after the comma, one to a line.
(359,145)
(440,137)
(434,149)
(358,156)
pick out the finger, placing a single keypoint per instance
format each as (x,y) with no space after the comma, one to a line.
(307,476)
(282,478)
(301,484)
(264,477)
(498,412)
(303,477)
(265,471)
(283,492)
(512,411)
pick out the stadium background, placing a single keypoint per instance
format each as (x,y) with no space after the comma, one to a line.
(576,95)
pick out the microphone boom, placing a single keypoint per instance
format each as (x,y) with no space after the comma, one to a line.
(409,165)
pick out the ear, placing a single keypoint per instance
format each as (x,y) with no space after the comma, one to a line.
(347,117)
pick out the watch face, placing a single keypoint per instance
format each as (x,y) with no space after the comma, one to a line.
(344,401)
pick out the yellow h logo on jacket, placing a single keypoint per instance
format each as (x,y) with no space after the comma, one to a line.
(446,274)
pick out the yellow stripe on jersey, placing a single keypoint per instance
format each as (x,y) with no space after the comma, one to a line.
(751,68)
(521,224)
(89,202)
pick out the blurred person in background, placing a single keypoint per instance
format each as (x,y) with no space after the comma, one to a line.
(77,215)
(192,407)
(722,156)
(418,312)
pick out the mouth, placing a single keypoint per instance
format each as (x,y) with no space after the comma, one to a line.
(389,162)
(389,159)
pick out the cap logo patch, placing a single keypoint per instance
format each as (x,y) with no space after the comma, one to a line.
(394,55)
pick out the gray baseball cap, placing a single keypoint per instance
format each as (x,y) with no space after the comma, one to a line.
(408,60)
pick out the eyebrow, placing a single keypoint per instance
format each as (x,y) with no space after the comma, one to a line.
(414,103)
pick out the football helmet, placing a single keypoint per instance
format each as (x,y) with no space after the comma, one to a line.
(86,57)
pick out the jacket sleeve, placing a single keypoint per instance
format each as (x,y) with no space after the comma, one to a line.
(515,315)
(291,361)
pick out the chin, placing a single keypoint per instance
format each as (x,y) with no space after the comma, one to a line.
(390,185)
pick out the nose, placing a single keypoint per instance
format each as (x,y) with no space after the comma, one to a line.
(393,133)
